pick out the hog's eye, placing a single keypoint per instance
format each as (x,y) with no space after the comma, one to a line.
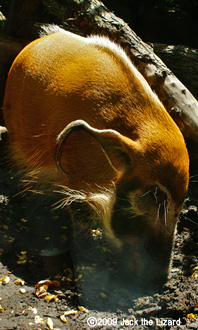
(153,199)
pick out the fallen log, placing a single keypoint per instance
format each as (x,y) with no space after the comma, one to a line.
(183,62)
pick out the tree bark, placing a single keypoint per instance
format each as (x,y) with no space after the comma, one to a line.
(92,17)
(183,62)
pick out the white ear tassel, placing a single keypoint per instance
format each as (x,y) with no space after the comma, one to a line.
(2,130)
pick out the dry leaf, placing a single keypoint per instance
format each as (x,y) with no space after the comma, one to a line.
(21,262)
(22,258)
(50,323)
(47,283)
(78,278)
(18,281)
(191,316)
(50,297)
(4,280)
(59,293)
(38,319)
(22,290)
(24,220)
(63,318)
(41,292)
(33,309)
(42,286)
(71,312)
(83,309)
(24,312)
(194,275)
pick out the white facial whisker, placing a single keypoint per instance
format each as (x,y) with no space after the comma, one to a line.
(192,176)
(146,193)
(158,212)
(165,212)
(191,220)
(155,195)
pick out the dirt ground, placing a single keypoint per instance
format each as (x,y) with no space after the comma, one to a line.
(35,245)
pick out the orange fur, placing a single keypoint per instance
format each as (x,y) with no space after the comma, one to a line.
(61,78)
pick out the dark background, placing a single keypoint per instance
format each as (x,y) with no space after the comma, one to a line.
(165,21)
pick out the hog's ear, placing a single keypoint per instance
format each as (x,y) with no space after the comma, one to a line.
(116,147)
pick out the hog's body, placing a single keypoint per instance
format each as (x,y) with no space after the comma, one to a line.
(120,151)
